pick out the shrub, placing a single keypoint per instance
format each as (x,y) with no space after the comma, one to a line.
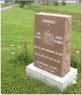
(56,3)
(63,3)
(47,2)
(22,55)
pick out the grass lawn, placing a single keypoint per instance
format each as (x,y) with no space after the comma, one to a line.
(18,26)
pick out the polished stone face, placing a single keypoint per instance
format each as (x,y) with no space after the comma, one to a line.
(52,43)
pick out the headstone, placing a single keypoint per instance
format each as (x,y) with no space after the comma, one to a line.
(52,41)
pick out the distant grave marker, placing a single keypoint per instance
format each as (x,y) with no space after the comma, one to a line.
(52,40)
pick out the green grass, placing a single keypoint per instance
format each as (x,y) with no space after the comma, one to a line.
(6,4)
(17,26)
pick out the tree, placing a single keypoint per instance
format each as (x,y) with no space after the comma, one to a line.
(47,2)
(7,1)
(55,2)
(43,1)
(29,2)
(63,2)
(79,1)
(23,3)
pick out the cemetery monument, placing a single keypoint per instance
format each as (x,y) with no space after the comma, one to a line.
(52,50)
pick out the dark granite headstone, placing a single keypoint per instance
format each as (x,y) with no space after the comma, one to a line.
(52,43)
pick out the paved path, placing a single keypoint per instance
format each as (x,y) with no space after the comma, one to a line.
(8,7)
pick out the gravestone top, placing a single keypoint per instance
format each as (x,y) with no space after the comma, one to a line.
(50,14)
(52,42)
